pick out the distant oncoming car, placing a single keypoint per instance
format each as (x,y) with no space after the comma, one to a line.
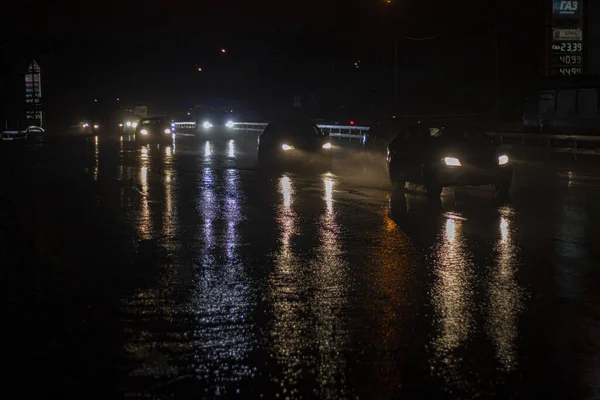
(298,142)
(154,129)
(440,157)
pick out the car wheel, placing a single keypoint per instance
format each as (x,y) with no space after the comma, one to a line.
(398,186)
(503,188)
(394,176)
(434,190)
(262,159)
(328,164)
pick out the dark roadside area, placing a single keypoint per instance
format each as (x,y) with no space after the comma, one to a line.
(65,264)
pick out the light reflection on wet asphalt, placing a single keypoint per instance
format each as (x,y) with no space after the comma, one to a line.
(304,284)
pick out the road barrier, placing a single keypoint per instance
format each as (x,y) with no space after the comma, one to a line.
(350,132)
(336,131)
(553,143)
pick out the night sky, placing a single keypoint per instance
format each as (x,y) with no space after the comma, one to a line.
(148,52)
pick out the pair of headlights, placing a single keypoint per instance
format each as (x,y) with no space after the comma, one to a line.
(145,131)
(287,147)
(455,162)
(208,125)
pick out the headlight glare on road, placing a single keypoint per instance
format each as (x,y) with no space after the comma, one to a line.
(144,132)
(327,146)
(167,131)
(229,124)
(287,147)
(207,125)
(503,159)
(452,161)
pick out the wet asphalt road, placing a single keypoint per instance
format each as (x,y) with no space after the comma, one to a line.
(184,271)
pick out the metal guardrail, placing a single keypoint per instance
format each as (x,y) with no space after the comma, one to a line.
(350,131)
(184,125)
(573,145)
(250,126)
(337,131)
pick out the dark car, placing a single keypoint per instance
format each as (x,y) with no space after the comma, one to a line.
(438,157)
(298,142)
(154,130)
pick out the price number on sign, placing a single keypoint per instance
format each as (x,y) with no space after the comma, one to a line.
(570,60)
(568,47)
(569,71)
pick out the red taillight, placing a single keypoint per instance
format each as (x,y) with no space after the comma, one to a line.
(352,122)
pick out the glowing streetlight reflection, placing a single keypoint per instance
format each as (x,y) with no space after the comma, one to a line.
(329,194)
(331,283)
(286,191)
(96,158)
(285,283)
(207,150)
(451,297)
(505,298)
(145,219)
(231,148)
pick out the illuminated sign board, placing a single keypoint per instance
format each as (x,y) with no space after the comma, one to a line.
(567,47)
(33,93)
(567,34)
(568,71)
(567,60)
(567,7)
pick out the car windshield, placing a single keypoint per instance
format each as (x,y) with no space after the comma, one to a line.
(296,129)
(152,121)
(457,133)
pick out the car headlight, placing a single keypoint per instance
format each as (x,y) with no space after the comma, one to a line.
(167,131)
(128,123)
(134,124)
(327,145)
(451,161)
(96,126)
(144,132)
(229,124)
(503,159)
(207,125)
(287,147)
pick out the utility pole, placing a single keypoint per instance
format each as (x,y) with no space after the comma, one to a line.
(497,78)
(395,75)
